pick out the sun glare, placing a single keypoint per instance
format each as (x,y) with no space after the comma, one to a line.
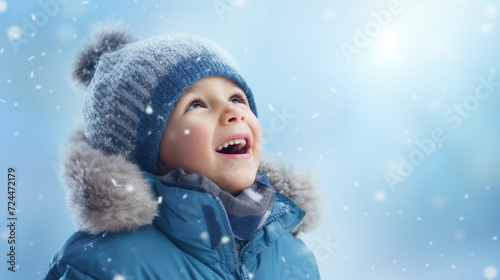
(387,42)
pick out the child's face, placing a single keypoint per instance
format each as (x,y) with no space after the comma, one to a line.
(213,113)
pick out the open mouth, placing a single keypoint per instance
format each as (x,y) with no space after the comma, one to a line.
(234,146)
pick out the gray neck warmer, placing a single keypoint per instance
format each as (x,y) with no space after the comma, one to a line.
(247,211)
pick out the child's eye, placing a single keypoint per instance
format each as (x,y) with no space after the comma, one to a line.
(237,98)
(195,104)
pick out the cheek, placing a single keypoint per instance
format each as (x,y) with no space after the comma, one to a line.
(195,137)
(257,132)
(196,145)
(188,145)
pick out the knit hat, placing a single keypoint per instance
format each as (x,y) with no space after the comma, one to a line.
(132,87)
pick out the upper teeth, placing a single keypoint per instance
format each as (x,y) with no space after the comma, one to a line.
(232,142)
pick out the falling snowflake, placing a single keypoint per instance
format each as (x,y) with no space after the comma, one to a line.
(3,6)
(490,272)
(380,196)
(14,32)
(204,235)
(486,27)
(224,239)
(491,11)
(87,246)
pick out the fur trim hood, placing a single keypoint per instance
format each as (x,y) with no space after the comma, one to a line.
(109,193)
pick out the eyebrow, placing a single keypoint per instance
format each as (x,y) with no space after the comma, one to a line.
(192,87)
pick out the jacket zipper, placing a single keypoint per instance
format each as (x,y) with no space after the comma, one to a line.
(243,271)
(241,267)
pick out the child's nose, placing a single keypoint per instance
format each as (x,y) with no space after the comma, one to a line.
(232,115)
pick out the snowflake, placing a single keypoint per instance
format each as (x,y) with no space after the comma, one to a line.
(224,239)
(490,272)
(204,235)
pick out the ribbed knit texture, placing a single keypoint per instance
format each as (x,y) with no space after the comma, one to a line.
(134,90)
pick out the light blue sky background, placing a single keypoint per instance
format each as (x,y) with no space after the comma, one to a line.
(360,106)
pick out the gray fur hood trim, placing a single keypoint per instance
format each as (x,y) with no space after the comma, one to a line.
(108,193)
(300,187)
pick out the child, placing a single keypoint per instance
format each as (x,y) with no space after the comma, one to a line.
(165,179)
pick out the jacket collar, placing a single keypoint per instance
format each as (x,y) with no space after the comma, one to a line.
(196,221)
(109,193)
(246,211)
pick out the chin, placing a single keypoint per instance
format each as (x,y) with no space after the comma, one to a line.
(237,185)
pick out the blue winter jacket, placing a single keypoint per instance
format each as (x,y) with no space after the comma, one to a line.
(189,238)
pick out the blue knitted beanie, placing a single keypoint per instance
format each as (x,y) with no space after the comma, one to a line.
(132,87)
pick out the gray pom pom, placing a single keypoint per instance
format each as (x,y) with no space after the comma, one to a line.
(107,38)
